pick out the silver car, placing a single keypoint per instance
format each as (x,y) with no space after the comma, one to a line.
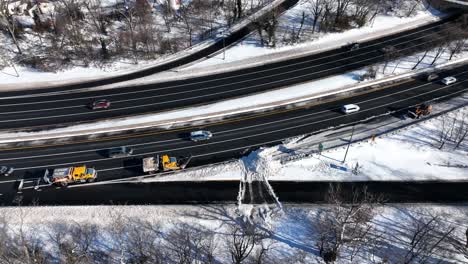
(200,135)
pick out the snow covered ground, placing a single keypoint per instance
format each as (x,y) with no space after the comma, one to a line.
(206,20)
(383,23)
(290,235)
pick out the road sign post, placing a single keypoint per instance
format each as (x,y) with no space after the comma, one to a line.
(349,143)
(224,45)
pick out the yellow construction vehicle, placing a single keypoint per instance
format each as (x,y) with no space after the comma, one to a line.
(420,110)
(164,163)
(169,163)
(64,176)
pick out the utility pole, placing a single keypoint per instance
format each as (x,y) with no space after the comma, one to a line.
(349,143)
(224,45)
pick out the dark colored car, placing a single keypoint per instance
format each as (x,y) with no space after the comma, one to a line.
(353,46)
(431,77)
(100,104)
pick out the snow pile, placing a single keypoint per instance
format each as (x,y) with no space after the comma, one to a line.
(258,167)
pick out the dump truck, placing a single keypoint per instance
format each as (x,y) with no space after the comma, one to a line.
(420,110)
(164,163)
(65,176)
(151,164)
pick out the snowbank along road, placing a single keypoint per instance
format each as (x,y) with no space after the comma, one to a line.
(52,108)
(231,138)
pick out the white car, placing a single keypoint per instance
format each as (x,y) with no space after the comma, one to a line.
(6,171)
(200,135)
(449,80)
(350,108)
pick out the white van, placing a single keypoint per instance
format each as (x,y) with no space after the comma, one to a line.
(350,108)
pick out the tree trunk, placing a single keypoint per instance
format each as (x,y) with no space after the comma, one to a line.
(12,33)
(456,146)
(239,8)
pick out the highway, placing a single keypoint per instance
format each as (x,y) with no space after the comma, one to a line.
(231,138)
(56,107)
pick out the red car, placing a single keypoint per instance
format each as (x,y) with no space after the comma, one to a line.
(100,104)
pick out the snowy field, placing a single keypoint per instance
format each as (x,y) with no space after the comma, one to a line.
(120,234)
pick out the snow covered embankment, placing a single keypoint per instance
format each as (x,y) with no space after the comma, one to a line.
(160,234)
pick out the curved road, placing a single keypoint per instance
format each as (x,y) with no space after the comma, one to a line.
(55,108)
(231,138)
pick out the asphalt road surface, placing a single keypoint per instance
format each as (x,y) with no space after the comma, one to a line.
(231,139)
(40,108)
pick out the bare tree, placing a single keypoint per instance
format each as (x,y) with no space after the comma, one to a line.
(438,52)
(208,246)
(72,17)
(240,244)
(340,12)
(421,59)
(413,7)
(446,130)
(129,15)
(461,130)
(8,21)
(75,243)
(268,24)
(389,53)
(186,13)
(191,243)
(262,252)
(99,22)
(427,238)
(345,224)
(135,241)
(316,10)
(456,47)
(168,16)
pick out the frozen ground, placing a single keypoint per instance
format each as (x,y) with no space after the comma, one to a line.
(290,235)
